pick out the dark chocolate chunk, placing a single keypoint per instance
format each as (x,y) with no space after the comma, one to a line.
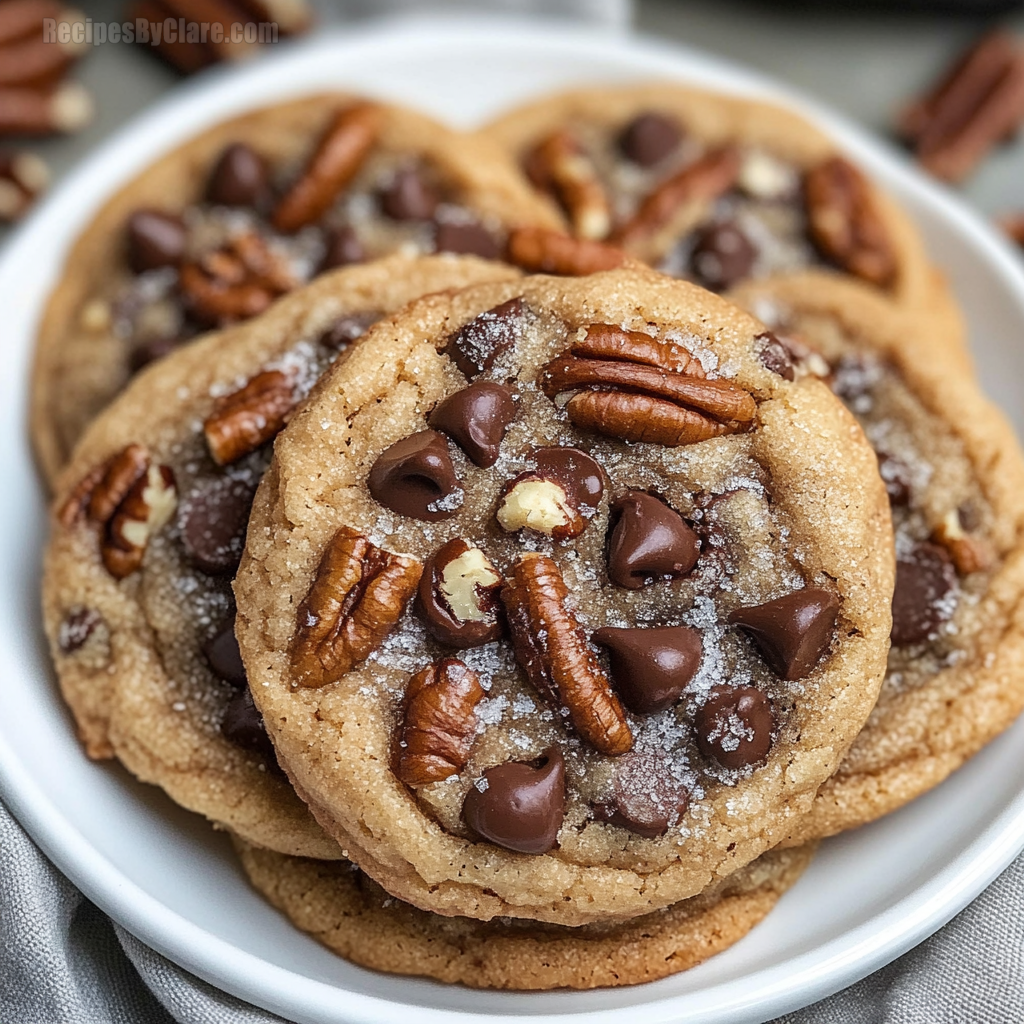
(925,594)
(415,477)
(791,632)
(224,657)
(648,541)
(343,249)
(347,329)
(646,798)
(734,727)
(76,629)
(433,603)
(242,725)
(477,419)
(409,197)
(475,346)
(651,665)
(213,518)
(722,256)
(239,178)
(896,476)
(775,356)
(150,351)
(521,807)
(468,238)
(155,239)
(649,138)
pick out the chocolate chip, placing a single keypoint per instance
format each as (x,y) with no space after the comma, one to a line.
(648,541)
(473,589)
(649,138)
(347,329)
(646,798)
(469,238)
(896,476)
(242,725)
(409,197)
(224,656)
(475,346)
(791,632)
(213,518)
(239,178)
(924,598)
(343,249)
(722,255)
(855,375)
(76,629)
(477,419)
(651,665)
(579,475)
(415,477)
(155,240)
(775,356)
(520,807)
(734,727)
(150,351)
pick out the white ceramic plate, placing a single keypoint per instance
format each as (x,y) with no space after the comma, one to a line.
(173,882)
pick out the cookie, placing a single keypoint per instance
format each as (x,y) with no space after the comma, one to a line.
(651,590)
(349,913)
(717,189)
(215,230)
(149,522)
(955,477)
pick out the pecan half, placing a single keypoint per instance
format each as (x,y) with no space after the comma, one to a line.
(704,180)
(559,163)
(358,595)
(248,418)
(334,163)
(439,722)
(552,650)
(629,391)
(844,223)
(541,250)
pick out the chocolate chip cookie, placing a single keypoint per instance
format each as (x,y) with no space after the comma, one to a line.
(560,602)
(349,913)
(955,477)
(150,519)
(218,228)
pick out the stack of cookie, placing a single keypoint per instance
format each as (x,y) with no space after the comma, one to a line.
(525,609)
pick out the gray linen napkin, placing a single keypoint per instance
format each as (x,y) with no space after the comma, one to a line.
(64,962)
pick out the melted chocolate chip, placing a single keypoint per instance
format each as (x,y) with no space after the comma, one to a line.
(734,727)
(239,178)
(791,632)
(343,249)
(347,329)
(722,255)
(576,473)
(76,629)
(409,197)
(648,541)
(924,598)
(242,725)
(646,798)
(475,346)
(477,419)
(213,518)
(896,476)
(224,657)
(434,606)
(468,238)
(151,351)
(649,138)
(521,807)
(415,477)
(775,356)
(155,239)
(651,665)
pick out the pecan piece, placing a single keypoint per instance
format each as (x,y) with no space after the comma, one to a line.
(541,250)
(358,595)
(844,224)
(629,390)
(969,554)
(552,650)
(335,162)
(560,164)
(439,722)
(248,418)
(707,178)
